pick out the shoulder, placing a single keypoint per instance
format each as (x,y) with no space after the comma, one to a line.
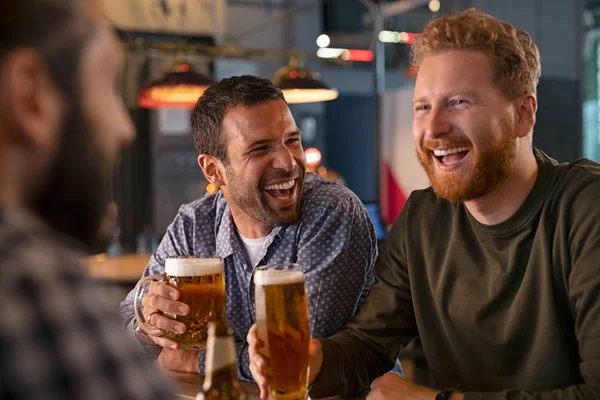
(204,210)
(323,194)
(574,183)
(580,173)
(30,249)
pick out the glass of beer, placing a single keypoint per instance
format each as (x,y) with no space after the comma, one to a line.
(201,283)
(282,321)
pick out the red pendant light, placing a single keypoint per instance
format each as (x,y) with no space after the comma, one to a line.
(179,87)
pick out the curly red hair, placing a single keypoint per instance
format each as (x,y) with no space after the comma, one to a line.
(513,52)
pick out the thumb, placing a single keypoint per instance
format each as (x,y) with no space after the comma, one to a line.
(315,360)
(314,347)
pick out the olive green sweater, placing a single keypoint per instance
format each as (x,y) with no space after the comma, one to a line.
(509,311)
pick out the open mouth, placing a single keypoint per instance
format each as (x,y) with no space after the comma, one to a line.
(282,191)
(449,157)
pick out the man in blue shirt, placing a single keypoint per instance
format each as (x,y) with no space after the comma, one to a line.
(268,211)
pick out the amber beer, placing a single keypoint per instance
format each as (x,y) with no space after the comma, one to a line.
(201,283)
(282,321)
(220,382)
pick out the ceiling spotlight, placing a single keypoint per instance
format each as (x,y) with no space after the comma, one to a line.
(434,5)
(323,40)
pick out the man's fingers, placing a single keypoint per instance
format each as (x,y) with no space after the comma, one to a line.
(167,324)
(153,332)
(258,363)
(252,335)
(259,376)
(153,302)
(314,348)
(163,290)
(166,343)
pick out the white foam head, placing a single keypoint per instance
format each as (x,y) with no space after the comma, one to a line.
(193,266)
(277,277)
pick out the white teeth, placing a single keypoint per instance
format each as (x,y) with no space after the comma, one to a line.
(281,186)
(445,152)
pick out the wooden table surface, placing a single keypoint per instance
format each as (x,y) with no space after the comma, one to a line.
(127,268)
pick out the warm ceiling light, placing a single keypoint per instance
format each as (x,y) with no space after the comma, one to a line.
(181,86)
(328,52)
(434,5)
(323,40)
(301,85)
(313,157)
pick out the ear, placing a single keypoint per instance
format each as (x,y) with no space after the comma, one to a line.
(213,169)
(526,108)
(31,105)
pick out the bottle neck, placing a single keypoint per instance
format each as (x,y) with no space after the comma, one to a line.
(226,375)
(220,359)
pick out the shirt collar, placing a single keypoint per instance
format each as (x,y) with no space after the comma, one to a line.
(227,241)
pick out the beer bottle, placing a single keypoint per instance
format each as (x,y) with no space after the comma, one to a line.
(220,380)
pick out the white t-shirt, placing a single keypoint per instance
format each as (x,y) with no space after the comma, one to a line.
(253,248)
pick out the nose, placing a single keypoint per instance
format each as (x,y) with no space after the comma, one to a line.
(437,124)
(284,159)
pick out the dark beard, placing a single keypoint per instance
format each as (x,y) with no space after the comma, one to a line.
(74,194)
(253,201)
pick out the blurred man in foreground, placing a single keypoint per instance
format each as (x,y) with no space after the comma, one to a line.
(62,127)
(496,266)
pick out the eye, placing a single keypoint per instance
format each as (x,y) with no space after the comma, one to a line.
(292,141)
(458,102)
(421,107)
(258,149)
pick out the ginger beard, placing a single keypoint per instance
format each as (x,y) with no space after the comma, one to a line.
(488,166)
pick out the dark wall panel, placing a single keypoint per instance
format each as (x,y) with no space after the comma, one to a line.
(350,143)
(559,120)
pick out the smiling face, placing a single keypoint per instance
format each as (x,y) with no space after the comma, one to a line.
(464,127)
(265,167)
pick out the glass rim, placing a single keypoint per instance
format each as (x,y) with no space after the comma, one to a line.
(201,257)
(290,266)
(270,275)
(210,266)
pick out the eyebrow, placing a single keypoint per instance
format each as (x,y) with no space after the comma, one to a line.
(473,95)
(263,142)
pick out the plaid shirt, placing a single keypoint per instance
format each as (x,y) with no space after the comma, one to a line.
(59,339)
(334,242)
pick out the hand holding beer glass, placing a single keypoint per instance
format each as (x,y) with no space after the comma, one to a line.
(282,329)
(180,304)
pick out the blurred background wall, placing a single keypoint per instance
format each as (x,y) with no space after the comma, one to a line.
(355,133)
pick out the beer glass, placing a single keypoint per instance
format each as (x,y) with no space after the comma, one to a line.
(201,283)
(282,322)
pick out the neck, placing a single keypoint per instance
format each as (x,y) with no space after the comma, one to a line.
(247,226)
(504,200)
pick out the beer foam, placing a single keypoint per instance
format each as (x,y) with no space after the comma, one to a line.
(277,277)
(193,266)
